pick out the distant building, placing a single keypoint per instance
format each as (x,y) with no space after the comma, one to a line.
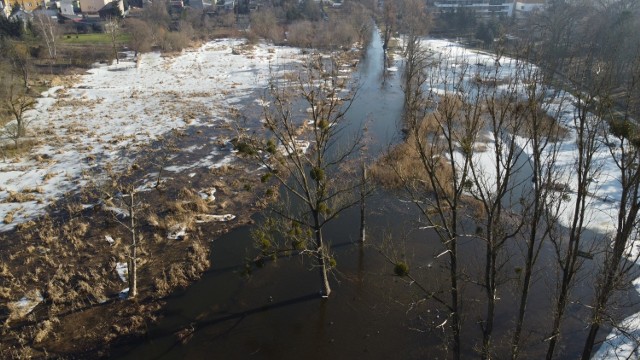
(523,7)
(94,6)
(29,5)
(480,7)
(66,8)
(112,9)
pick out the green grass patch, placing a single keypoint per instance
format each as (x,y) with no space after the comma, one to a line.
(96,38)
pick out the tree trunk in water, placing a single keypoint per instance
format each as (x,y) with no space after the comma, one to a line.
(528,272)
(455,317)
(555,333)
(363,192)
(591,339)
(490,279)
(325,291)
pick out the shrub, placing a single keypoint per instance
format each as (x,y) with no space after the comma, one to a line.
(401,269)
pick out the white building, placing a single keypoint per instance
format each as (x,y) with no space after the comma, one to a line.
(480,7)
(523,7)
(66,7)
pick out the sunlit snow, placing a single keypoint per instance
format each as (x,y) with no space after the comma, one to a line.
(116,109)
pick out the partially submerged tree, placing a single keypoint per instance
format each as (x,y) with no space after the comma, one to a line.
(309,159)
(621,256)
(440,136)
(544,138)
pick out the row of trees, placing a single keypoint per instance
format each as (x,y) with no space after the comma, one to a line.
(335,29)
(459,197)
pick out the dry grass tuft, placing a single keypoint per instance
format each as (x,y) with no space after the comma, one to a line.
(20,197)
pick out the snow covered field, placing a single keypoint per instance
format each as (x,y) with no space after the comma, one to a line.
(120,108)
(605,194)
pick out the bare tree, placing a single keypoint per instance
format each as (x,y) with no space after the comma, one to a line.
(265,24)
(132,207)
(140,35)
(494,187)
(19,57)
(544,138)
(49,31)
(313,178)
(360,17)
(16,104)
(120,198)
(569,244)
(619,258)
(113,29)
(389,22)
(441,138)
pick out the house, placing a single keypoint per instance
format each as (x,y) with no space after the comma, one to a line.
(94,6)
(112,9)
(483,8)
(66,7)
(30,5)
(524,7)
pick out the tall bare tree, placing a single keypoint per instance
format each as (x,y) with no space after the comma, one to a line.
(569,244)
(49,31)
(619,257)
(19,57)
(16,104)
(544,137)
(441,130)
(308,164)
(113,29)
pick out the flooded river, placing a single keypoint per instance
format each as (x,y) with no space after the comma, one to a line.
(276,313)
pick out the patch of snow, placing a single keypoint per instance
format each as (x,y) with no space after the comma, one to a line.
(204,218)
(122,268)
(124,294)
(26,304)
(177,232)
(299,146)
(208,194)
(119,107)
(119,213)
